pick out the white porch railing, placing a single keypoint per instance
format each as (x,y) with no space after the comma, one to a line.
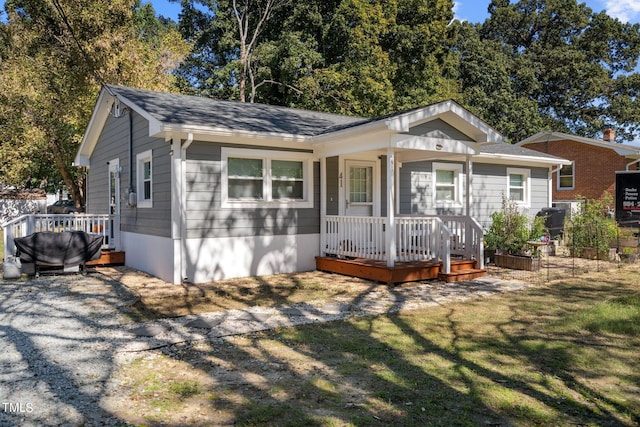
(417,238)
(106,225)
(467,237)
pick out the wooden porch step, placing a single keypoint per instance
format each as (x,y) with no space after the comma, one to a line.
(462,264)
(108,257)
(461,274)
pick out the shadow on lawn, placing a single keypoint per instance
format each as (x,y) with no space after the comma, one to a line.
(409,369)
(492,361)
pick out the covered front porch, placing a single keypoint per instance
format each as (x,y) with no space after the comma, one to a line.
(396,197)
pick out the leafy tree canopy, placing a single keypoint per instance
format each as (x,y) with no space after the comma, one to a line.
(57,55)
(551,64)
(363,57)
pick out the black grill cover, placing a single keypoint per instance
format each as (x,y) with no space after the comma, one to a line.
(65,248)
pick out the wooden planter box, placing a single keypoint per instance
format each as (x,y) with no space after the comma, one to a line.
(518,262)
(624,243)
(592,253)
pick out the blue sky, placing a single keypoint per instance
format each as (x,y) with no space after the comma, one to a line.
(625,10)
(471,10)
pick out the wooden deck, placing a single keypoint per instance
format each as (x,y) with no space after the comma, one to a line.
(404,271)
(108,257)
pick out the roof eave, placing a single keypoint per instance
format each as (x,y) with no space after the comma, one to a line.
(529,160)
(620,149)
(209,131)
(466,121)
(92,133)
(342,133)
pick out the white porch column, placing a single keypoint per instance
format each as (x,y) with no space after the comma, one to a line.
(469,184)
(323,205)
(390,235)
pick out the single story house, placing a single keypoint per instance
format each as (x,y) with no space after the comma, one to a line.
(205,189)
(593,167)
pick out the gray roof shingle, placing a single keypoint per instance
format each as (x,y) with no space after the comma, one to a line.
(512,150)
(177,109)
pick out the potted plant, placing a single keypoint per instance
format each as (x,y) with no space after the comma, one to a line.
(510,235)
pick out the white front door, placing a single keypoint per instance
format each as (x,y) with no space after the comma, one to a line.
(360,188)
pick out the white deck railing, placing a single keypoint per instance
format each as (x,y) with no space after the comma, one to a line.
(467,237)
(417,238)
(106,225)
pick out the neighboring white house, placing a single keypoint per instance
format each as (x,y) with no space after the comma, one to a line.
(208,189)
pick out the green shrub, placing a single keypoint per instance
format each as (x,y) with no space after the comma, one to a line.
(511,230)
(592,226)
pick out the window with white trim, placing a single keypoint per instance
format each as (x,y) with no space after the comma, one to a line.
(566,177)
(518,185)
(262,177)
(144,163)
(447,184)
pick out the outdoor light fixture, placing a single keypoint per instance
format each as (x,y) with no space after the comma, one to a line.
(439,147)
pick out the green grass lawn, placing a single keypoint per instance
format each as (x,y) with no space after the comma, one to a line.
(564,353)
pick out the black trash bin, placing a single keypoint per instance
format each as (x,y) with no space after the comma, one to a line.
(553,221)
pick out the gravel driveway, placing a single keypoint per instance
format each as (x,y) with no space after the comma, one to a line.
(62,338)
(57,356)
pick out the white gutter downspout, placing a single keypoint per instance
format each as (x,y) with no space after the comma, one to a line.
(629,164)
(178,206)
(550,180)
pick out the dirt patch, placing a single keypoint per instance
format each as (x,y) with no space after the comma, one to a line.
(158,299)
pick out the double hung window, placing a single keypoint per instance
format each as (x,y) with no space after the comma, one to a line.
(518,185)
(566,177)
(144,162)
(447,183)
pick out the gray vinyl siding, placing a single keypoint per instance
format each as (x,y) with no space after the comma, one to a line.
(111,145)
(114,144)
(438,129)
(333,190)
(206,218)
(416,190)
(156,220)
(489,187)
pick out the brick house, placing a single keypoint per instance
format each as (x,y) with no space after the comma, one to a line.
(593,168)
